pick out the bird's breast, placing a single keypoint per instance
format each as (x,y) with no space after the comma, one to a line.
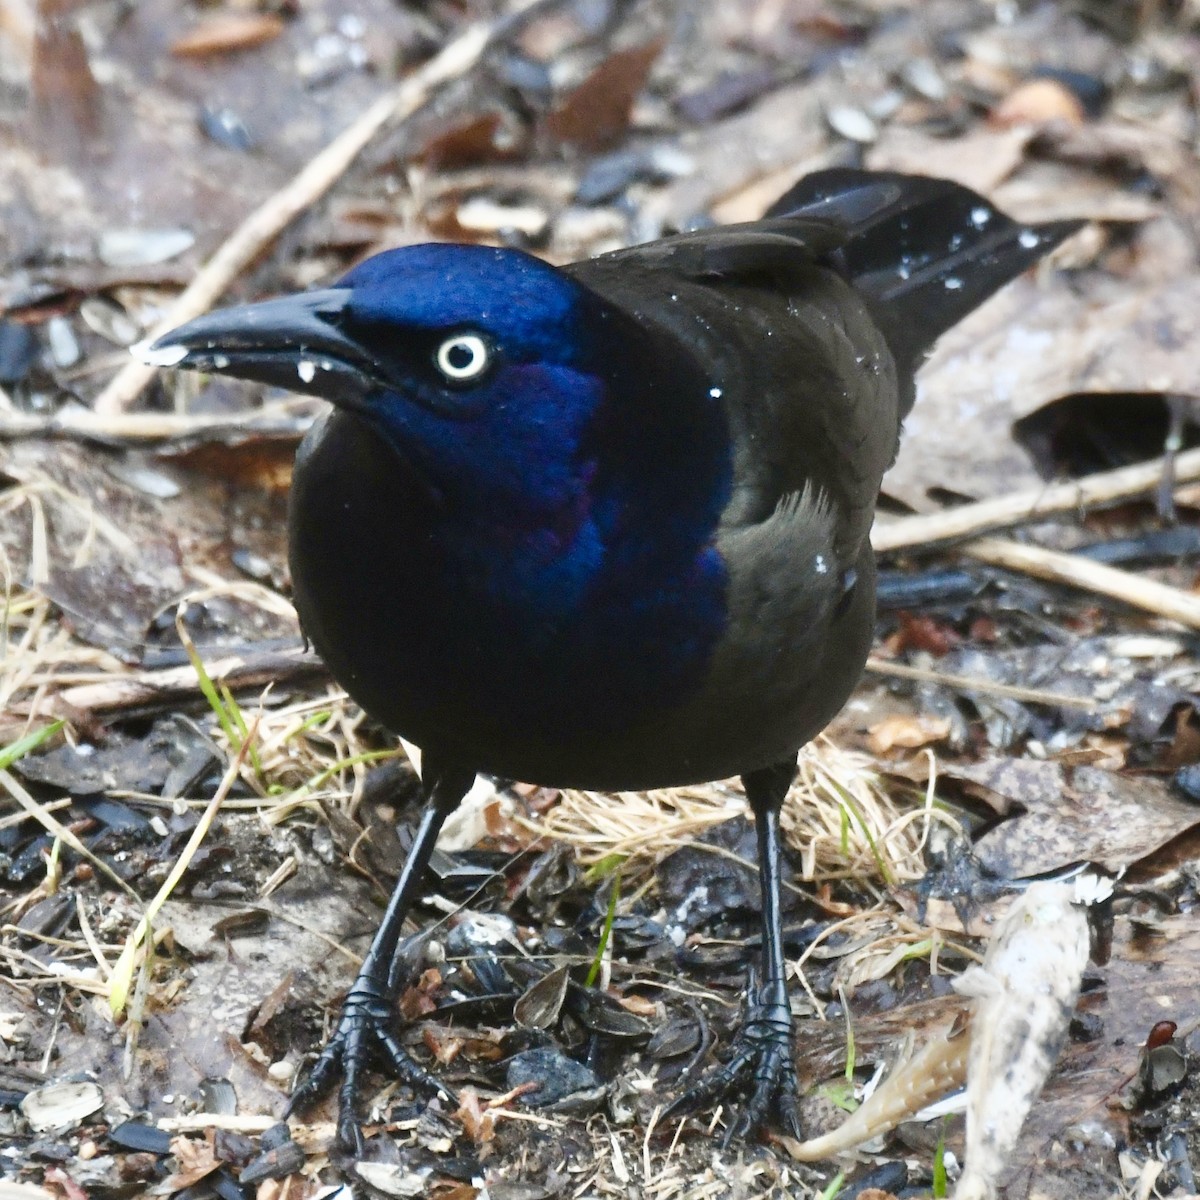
(536,661)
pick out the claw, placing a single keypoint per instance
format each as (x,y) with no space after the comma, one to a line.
(761,1062)
(362,1026)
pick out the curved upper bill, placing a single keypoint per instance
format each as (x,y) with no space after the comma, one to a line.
(293,342)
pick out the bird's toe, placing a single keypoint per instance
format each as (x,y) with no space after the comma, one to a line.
(362,1030)
(761,1065)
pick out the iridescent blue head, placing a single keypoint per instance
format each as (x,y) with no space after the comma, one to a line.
(515,392)
(490,371)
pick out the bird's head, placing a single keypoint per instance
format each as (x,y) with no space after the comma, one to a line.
(528,404)
(483,367)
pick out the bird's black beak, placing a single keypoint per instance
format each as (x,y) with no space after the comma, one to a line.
(295,342)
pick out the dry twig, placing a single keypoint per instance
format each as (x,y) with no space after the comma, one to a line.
(970,519)
(989,687)
(1147,594)
(142,429)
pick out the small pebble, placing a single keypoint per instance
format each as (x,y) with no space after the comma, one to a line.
(923,77)
(64,346)
(225,127)
(18,351)
(556,1075)
(852,123)
(281,1071)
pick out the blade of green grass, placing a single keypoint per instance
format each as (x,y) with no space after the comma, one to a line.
(234,709)
(598,872)
(941,1186)
(834,1186)
(606,932)
(17,750)
(849,805)
(839,1092)
(208,688)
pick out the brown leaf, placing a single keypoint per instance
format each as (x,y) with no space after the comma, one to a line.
(1034,342)
(196,1159)
(1064,815)
(597,112)
(418,1001)
(444,1047)
(273,1003)
(980,159)
(1037,102)
(923,632)
(479,1122)
(906,732)
(485,137)
(1053,191)
(225,32)
(256,461)
(482,1049)
(454,1191)
(638,1005)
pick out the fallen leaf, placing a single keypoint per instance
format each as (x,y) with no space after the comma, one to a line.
(196,1160)
(225,32)
(638,1005)
(980,159)
(418,1000)
(906,732)
(478,1122)
(1059,815)
(597,112)
(1037,102)
(1034,342)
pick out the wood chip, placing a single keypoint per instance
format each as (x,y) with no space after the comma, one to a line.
(227,32)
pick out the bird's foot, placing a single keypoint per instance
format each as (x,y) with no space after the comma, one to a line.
(762,1064)
(363,1027)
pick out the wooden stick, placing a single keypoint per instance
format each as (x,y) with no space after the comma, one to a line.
(141,689)
(966,683)
(267,221)
(970,519)
(1148,594)
(154,428)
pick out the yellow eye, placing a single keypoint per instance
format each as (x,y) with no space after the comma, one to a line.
(462,357)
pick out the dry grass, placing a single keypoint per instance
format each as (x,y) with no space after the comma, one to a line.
(838,817)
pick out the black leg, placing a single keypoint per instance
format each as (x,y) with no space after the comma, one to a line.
(367,1010)
(763,1050)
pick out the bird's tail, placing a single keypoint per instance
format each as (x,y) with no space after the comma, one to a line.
(925,251)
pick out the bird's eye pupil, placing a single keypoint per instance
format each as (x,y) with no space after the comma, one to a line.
(462,357)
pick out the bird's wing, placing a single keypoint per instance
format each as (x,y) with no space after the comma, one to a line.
(804,374)
(765,557)
(791,600)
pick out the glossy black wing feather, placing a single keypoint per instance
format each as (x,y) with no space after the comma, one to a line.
(927,259)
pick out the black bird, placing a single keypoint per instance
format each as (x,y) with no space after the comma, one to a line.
(607,525)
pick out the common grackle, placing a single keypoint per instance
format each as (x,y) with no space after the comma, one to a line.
(607,525)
